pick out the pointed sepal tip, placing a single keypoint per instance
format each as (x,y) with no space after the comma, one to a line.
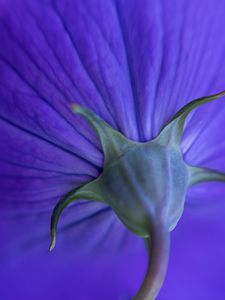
(52,243)
(75,107)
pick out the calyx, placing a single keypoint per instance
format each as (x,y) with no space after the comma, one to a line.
(145,184)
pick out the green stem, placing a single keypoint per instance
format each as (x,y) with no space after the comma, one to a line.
(158,260)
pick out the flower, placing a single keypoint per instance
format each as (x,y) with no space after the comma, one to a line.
(134,64)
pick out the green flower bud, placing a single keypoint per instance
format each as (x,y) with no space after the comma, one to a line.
(145,184)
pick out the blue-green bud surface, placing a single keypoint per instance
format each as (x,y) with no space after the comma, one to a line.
(145,184)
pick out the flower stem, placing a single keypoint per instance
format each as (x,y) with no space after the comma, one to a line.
(159,246)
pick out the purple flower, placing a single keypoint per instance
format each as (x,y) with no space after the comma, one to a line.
(135,64)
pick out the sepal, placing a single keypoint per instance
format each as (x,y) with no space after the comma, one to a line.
(197,175)
(113,143)
(88,191)
(172,131)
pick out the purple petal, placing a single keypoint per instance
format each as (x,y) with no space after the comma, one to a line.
(197,260)
(95,254)
(135,64)
(48,151)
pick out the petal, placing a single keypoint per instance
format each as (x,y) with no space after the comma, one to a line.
(31,180)
(197,261)
(36,67)
(135,65)
(47,150)
(95,254)
(176,55)
(46,279)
